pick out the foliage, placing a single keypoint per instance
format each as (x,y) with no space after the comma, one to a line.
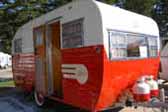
(13,15)
(160,14)
(143,7)
(16,13)
(109,1)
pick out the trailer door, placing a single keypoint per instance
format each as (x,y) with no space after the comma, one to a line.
(55,75)
(40,60)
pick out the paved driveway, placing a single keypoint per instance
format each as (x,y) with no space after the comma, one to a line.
(10,104)
(14,100)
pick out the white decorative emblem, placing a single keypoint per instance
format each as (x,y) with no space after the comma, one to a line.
(77,72)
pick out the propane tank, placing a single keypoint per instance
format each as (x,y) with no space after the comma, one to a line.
(141,90)
(154,89)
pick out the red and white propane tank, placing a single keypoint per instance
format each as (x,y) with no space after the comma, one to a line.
(154,89)
(145,88)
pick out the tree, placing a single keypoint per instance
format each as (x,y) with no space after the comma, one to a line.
(143,7)
(157,9)
(109,1)
(14,13)
(160,14)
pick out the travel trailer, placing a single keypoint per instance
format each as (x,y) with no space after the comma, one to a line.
(85,53)
(9,60)
(5,60)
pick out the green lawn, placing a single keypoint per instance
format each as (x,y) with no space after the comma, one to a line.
(7,84)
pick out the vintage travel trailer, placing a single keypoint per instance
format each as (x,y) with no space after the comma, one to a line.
(85,53)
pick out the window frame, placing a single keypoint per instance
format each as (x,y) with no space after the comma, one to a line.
(16,41)
(131,33)
(157,47)
(81,21)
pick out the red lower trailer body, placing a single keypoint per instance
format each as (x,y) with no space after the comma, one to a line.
(107,79)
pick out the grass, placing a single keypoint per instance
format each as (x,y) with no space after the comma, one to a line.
(7,84)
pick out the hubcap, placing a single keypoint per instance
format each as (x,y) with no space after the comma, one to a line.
(39,98)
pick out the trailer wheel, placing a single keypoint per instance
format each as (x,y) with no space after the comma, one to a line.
(39,98)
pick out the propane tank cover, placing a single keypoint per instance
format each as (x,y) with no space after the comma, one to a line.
(141,90)
(154,89)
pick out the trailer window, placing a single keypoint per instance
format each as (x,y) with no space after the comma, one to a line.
(72,34)
(38,36)
(153,48)
(18,45)
(136,46)
(127,45)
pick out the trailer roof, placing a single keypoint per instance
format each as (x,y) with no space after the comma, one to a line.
(124,20)
(117,18)
(98,18)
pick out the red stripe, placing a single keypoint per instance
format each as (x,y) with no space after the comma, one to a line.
(24,70)
(142,97)
(154,93)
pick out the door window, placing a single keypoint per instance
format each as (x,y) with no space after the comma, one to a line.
(18,45)
(72,34)
(38,37)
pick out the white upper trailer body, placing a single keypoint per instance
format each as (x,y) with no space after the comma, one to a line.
(98,19)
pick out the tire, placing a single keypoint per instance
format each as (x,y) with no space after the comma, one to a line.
(39,99)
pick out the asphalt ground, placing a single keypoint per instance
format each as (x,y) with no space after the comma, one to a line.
(14,100)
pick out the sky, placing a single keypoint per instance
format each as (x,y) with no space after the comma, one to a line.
(10,1)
